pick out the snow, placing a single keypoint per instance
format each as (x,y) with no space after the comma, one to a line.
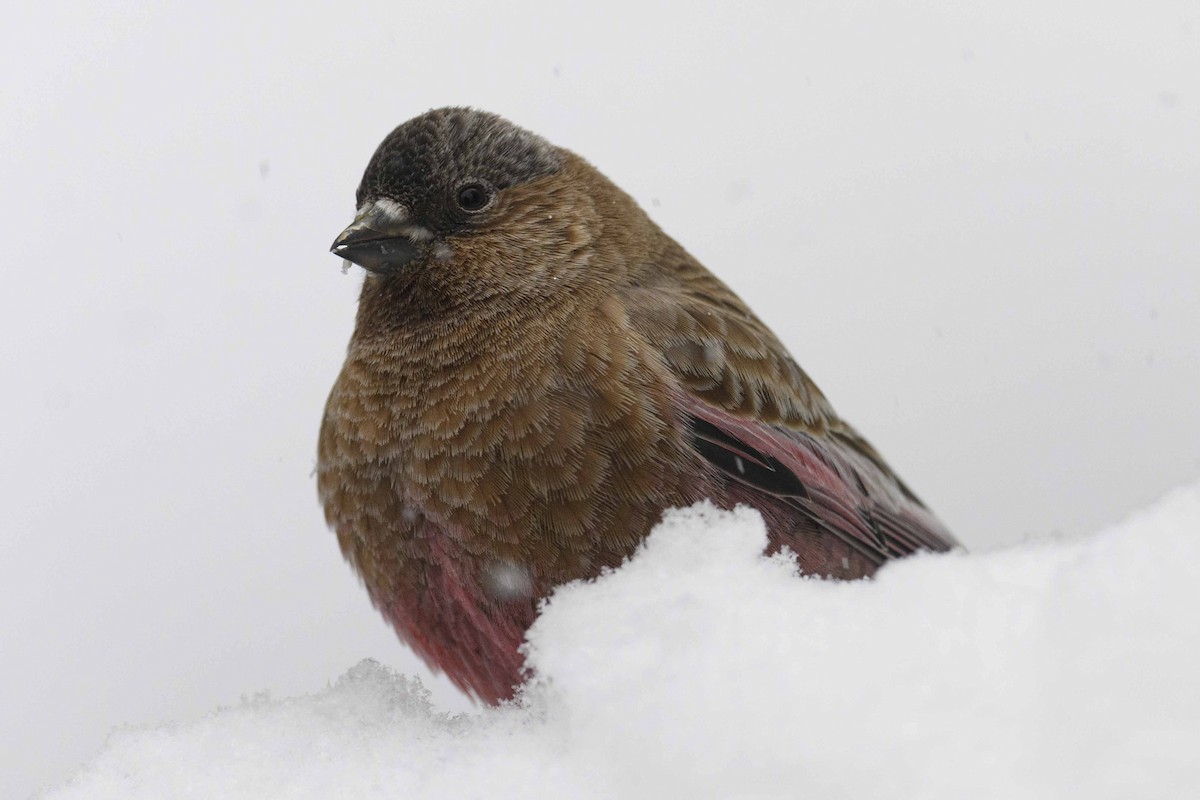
(1057,668)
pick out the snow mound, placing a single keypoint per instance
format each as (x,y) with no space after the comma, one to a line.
(1059,668)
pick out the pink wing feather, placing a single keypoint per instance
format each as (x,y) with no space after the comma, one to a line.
(812,486)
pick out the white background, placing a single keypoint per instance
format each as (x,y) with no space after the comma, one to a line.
(976,225)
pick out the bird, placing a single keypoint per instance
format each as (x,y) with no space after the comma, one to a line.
(536,373)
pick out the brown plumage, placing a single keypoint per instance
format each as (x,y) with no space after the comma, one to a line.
(536,373)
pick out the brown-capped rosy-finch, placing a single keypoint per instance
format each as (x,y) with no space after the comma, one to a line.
(537,373)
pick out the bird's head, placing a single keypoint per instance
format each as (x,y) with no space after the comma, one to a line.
(466,195)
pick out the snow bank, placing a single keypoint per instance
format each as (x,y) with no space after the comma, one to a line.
(1060,668)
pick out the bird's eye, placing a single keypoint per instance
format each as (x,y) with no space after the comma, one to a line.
(473,197)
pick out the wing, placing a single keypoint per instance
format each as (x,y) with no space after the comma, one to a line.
(759,419)
(825,479)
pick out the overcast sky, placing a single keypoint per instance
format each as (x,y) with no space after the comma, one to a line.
(976,226)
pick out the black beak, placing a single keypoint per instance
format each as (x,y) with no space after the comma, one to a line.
(373,251)
(369,243)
